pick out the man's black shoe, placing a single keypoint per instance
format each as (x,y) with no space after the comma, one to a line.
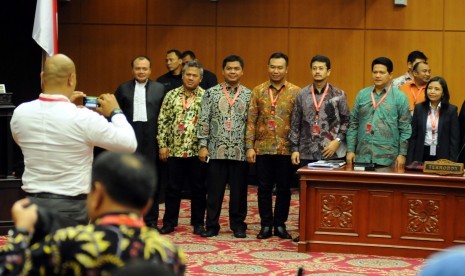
(239,233)
(198,229)
(209,233)
(281,232)
(265,233)
(296,239)
(166,229)
(153,225)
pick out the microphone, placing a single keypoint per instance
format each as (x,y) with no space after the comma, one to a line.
(460,152)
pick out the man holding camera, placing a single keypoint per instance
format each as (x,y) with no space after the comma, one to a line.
(57,140)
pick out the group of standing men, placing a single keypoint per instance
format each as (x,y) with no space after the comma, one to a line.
(207,136)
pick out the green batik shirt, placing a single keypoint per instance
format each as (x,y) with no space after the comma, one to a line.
(177,122)
(390,127)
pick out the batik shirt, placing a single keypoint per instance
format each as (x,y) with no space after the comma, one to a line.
(94,249)
(333,122)
(268,133)
(389,123)
(177,125)
(221,126)
(399,81)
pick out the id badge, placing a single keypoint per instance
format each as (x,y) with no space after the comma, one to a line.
(368,128)
(316,130)
(180,128)
(227,125)
(271,124)
(432,150)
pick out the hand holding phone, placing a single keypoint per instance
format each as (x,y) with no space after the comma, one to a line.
(90,102)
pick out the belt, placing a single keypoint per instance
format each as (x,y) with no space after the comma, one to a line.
(55,196)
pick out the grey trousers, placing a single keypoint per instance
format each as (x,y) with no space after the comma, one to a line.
(74,210)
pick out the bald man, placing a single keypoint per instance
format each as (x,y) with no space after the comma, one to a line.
(57,140)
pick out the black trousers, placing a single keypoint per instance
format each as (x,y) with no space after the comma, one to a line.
(273,169)
(220,172)
(180,169)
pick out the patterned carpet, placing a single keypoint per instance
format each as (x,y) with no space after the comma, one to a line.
(226,255)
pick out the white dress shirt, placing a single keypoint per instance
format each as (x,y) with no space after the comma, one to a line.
(57,140)
(140,108)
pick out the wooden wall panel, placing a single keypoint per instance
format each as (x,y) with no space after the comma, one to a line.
(201,40)
(181,12)
(453,15)
(346,61)
(380,220)
(69,12)
(417,15)
(396,45)
(114,11)
(270,13)
(454,65)
(254,45)
(106,53)
(327,14)
(70,43)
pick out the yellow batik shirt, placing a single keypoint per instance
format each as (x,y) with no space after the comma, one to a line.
(177,125)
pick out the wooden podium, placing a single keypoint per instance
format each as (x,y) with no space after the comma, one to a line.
(383,212)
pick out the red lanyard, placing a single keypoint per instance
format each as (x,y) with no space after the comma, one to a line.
(122,220)
(433,123)
(274,100)
(226,93)
(415,95)
(375,105)
(47,99)
(185,105)
(318,105)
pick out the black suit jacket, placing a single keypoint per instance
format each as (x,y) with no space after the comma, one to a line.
(448,133)
(146,132)
(461,158)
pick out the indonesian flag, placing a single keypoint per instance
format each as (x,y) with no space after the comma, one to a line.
(45,31)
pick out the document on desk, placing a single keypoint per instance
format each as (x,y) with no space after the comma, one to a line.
(332,164)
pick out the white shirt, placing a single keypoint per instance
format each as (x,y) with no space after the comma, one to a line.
(140,108)
(57,140)
(429,141)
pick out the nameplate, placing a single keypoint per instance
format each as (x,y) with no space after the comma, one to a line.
(443,167)
(6,98)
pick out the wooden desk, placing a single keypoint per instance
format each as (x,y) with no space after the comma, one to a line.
(385,212)
(10,192)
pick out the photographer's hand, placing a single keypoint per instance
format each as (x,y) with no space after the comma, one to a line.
(24,215)
(107,104)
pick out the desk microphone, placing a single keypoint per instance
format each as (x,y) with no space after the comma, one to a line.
(460,152)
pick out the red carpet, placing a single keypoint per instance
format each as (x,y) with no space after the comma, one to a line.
(226,255)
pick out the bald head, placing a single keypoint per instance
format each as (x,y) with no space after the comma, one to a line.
(59,75)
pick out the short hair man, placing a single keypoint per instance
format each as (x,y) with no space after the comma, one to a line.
(122,185)
(173,78)
(209,79)
(379,126)
(412,59)
(415,89)
(221,134)
(177,139)
(141,99)
(267,144)
(320,118)
(57,140)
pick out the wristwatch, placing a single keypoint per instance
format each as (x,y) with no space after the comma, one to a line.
(115,111)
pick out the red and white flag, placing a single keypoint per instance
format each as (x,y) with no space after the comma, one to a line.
(45,31)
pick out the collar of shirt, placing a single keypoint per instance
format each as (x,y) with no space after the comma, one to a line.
(382,91)
(321,90)
(408,77)
(276,89)
(53,97)
(434,110)
(194,92)
(143,84)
